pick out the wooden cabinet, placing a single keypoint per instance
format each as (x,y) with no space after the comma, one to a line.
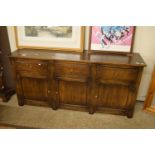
(7,87)
(88,82)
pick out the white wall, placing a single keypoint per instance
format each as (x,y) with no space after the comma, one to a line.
(144,44)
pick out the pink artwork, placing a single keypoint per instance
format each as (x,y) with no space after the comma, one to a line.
(112,38)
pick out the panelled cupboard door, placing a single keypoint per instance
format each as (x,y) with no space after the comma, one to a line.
(115,86)
(34,89)
(72,93)
(112,96)
(72,80)
(32,81)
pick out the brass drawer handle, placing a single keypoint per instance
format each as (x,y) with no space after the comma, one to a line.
(39,64)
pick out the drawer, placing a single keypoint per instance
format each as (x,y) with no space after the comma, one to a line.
(72,70)
(116,75)
(31,67)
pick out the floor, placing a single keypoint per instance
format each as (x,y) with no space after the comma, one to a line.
(43,117)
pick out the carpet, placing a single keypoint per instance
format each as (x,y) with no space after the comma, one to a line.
(46,118)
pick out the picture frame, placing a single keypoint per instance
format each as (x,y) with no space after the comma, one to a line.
(111,39)
(61,38)
(149,103)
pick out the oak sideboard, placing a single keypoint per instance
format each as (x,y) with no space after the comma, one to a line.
(90,82)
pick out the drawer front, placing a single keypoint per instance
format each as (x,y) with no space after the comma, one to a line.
(31,67)
(116,75)
(72,70)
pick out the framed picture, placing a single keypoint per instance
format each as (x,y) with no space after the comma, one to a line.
(114,39)
(64,38)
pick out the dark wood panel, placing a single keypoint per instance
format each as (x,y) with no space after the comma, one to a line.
(72,70)
(73,93)
(37,103)
(31,68)
(114,75)
(35,89)
(113,96)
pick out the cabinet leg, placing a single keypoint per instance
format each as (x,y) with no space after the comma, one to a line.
(130,114)
(20,101)
(91,110)
(54,107)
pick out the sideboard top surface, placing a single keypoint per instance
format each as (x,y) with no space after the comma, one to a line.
(134,60)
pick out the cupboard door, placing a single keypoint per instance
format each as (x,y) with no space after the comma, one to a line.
(112,96)
(115,86)
(31,81)
(73,93)
(34,89)
(72,80)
